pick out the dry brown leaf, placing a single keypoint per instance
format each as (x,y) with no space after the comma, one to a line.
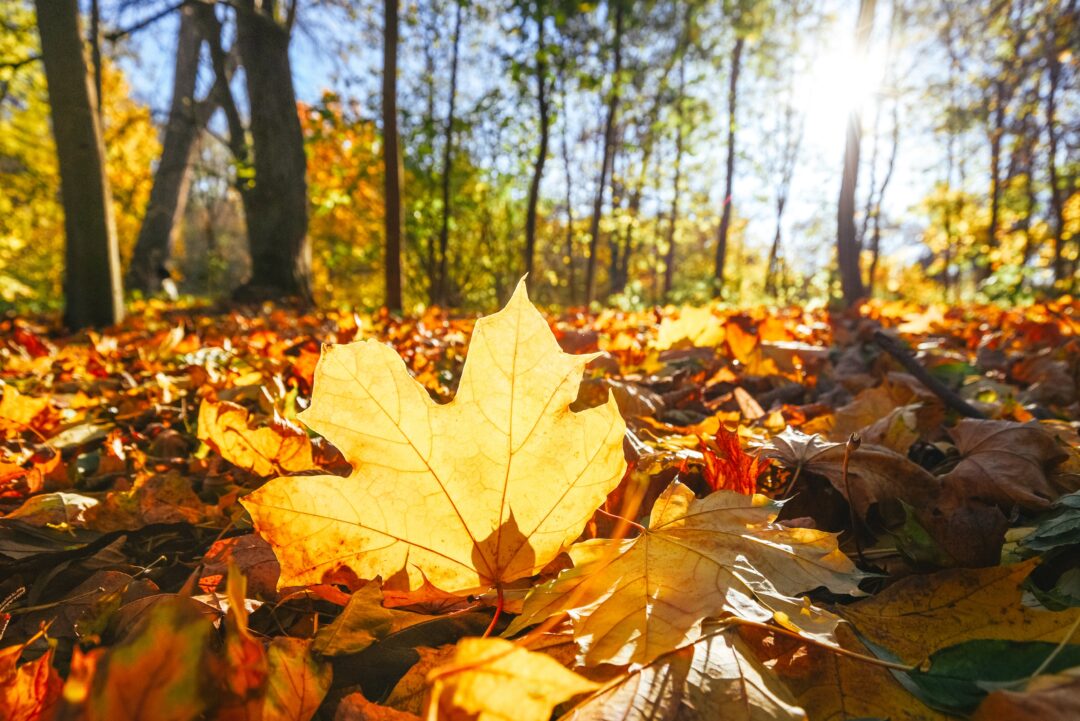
(477,492)
(278,447)
(631,601)
(875,473)
(490,679)
(1006,463)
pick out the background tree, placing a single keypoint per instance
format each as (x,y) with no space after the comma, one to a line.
(92,291)
(395,219)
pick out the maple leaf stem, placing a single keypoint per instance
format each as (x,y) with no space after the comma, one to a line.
(853,443)
(499,602)
(627,521)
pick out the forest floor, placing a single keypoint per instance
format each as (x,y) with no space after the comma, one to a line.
(923,562)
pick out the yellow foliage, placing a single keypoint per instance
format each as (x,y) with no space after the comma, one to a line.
(489,679)
(474,493)
(31,216)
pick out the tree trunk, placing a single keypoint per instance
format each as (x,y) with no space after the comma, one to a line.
(276,201)
(997,133)
(725,218)
(676,185)
(92,291)
(571,283)
(395,218)
(847,245)
(541,153)
(448,160)
(168,196)
(606,162)
(1057,201)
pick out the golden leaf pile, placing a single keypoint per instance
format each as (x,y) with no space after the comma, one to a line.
(525,519)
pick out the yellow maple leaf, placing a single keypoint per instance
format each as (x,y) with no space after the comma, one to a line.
(491,679)
(471,494)
(266,450)
(630,601)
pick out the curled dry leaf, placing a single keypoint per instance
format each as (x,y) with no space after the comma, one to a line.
(277,447)
(490,679)
(875,473)
(475,493)
(632,601)
(1006,463)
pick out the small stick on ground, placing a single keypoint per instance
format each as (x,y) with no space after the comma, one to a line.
(905,358)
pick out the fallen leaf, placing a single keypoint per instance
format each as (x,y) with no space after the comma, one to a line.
(363,622)
(155,674)
(922,614)
(356,707)
(491,679)
(717,677)
(277,447)
(29,691)
(875,473)
(832,687)
(1046,697)
(1006,463)
(631,601)
(474,493)
(296,681)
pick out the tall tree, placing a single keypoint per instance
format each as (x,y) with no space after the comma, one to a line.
(676,183)
(276,199)
(847,243)
(92,290)
(168,197)
(448,158)
(540,67)
(395,218)
(607,153)
(729,172)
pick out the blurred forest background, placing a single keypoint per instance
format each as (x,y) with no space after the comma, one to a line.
(620,152)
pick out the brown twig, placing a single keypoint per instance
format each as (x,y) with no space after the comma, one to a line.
(949,397)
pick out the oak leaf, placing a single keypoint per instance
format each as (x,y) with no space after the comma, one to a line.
(491,679)
(630,601)
(471,494)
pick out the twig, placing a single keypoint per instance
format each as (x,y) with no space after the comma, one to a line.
(852,445)
(946,394)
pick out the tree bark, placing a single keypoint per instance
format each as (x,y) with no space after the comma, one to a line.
(448,159)
(725,218)
(276,199)
(571,283)
(875,239)
(608,154)
(168,196)
(847,245)
(1057,200)
(997,133)
(395,218)
(542,151)
(669,256)
(92,290)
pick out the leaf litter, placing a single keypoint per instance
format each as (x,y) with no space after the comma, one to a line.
(684,513)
